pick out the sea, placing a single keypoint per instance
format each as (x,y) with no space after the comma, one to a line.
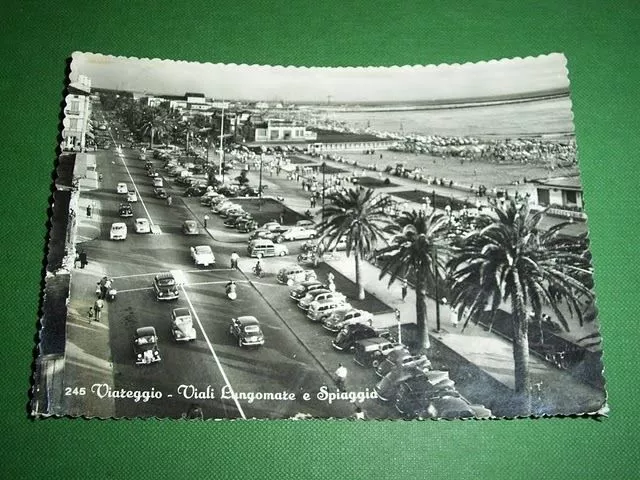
(546,117)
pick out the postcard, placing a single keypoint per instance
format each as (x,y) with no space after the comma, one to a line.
(268,242)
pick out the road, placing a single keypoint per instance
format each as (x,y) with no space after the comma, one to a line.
(297,357)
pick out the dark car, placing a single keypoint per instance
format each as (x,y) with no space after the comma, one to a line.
(263,234)
(145,346)
(246,226)
(248,192)
(160,192)
(165,286)
(299,291)
(387,387)
(125,210)
(195,191)
(347,337)
(402,358)
(233,222)
(247,331)
(413,395)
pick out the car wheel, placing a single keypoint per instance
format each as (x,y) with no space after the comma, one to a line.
(375,362)
(313,235)
(282,253)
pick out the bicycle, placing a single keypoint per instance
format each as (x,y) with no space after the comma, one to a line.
(258,272)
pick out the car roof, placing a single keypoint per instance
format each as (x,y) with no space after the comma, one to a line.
(140,220)
(202,248)
(118,225)
(165,275)
(145,331)
(190,222)
(181,312)
(247,320)
(375,341)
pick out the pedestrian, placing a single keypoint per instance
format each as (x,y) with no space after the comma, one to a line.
(103,287)
(405,288)
(98,306)
(83,259)
(281,218)
(359,413)
(206,219)
(89,210)
(90,314)
(234,260)
(77,260)
(341,377)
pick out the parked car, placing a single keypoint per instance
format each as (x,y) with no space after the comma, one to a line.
(320,309)
(122,188)
(450,406)
(125,210)
(413,395)
(319,296)
(151,172)
(402,361)
(132,196)
(160,192)
(370,352)
(195,191)
(298,233)
(246,226)
(347,337)
(118,231)
(224,205)
(272,226)
(337,320)
(388,386)
(158,182)
(234,211)
(190,227)
(234,221)
(142,225)
(301,289)
(165,286)
(202,255)
(182,325)
(264,234)
(145,346)
(247,331)
(305,223)
(293,274)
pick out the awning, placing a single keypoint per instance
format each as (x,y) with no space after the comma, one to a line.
(89,134)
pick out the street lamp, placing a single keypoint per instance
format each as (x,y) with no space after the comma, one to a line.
(260,184)
(397,314)
(324,166)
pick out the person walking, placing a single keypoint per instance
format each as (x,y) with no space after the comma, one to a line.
(206,219)
(83,259)
(234,260)
(90,314)
(341,377)
(405,288)
(89,208)
(98,306)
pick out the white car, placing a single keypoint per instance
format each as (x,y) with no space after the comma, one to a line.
(202,255)
(122,188)
(118,231)
(299,233)
(132,196)
(271,226)
(157,182)
(142,225)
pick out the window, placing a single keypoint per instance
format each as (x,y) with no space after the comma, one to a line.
(543,197)
(73,124)
(570,197)
(75,106)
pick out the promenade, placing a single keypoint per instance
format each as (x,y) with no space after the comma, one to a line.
(485,358)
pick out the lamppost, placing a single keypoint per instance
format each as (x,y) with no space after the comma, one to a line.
(221,143)
(437,294)
(260,184)
(397,314)
(324,166)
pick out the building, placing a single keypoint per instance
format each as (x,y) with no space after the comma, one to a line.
(77,115)
(559,192)
(277,130)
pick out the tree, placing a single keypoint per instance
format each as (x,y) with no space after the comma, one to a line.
(359,216)
(512,261)
(412,252)
(154,122)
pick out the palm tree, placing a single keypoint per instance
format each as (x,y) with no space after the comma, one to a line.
(512,261)
(154,122)
(412,252)
(359,216)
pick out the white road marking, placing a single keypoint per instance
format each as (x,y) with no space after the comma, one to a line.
(134,290)
(173,271)
(137,191)
(215,357)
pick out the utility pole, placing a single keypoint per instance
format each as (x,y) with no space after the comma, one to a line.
(221,143)
(324,165)
(260,184)
(437,294)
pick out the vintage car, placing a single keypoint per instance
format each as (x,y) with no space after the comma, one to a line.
(142,225)
(449,406)
(202,255)
(122,188)
(272,226)
(262,233)
(151,172)
(370,352)
(320,296)
(132,196)
(402,360)
(387,387)
(233,212)
(301,289)
(294,274)
(223,206)
(158,182)
(234,221)
(160,192)
(337,320)
(118,231)
(414,394)
(346,339)
(259,248)
(190,227)
(320,309)
(298,233)
(195,191)
(145,346)
(247,331)
(305,223)
(125,211)
(245,226)
(165,286)
(182,325)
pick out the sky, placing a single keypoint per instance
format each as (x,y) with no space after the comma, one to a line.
(322,84)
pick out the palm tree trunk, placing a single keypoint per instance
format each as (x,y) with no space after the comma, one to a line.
(153,131)
(521,360)
(421,315)
(359,277)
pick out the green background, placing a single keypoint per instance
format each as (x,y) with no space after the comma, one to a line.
(600,39)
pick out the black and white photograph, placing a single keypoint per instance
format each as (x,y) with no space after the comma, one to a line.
(232,241)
